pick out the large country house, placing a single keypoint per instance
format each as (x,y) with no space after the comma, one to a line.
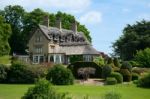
(55,44)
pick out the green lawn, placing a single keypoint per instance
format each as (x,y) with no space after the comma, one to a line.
(8,91)
(5,59)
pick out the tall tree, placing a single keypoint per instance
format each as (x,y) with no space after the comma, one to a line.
(14,16)
(135,37)
(5,31)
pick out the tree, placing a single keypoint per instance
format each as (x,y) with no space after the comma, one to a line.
(5,32)
(14,16)
(143,57)
(99,60)
(135,37)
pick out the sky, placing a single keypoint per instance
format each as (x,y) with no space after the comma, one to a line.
(105,19)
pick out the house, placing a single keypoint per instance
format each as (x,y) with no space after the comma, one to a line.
(55,44)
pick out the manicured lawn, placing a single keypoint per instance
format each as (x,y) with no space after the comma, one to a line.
(5,59)
(8,91)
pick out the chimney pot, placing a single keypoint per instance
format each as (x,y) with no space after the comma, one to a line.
(74,27)
(46,21)
(58,23)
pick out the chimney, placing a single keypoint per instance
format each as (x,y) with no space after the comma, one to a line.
(74,27)
(46,20)
(58,23)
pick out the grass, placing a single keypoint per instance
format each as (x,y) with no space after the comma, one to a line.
(5,59)
(10,91)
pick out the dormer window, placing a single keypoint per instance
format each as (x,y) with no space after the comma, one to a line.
(38,39)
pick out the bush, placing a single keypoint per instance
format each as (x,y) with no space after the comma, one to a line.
(19,73)
(75,66)
(3,73)
(126,65)
(59,75)
(116,62)
(144,81)
(142,57)
(117,76)
(112,95)
(43,90)
(111,81)
(127,76)
(106,71)
(135,76)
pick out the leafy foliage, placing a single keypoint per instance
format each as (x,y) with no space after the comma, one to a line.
(126,65)
(135,37)
(99,60)
(106,71)
(111,81)
(127,76)
(117,76)
(144,81)
(3,72)
(143,57)
(43,90)
(5,32)
(59,75)
(135,76)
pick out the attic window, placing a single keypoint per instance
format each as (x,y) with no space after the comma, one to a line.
(38,39)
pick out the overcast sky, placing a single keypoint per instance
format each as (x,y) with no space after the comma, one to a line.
(105,19)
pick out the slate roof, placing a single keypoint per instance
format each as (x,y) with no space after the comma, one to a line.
(73,47)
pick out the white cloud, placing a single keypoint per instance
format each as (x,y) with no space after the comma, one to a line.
(74,5)
(92,17)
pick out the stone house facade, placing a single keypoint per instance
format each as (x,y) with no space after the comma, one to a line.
(56,45)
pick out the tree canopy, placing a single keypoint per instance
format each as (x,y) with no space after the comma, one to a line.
(23,23)
(5,31)
(135,37)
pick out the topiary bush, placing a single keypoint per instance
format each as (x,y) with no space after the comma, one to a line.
(111,81)
(44,90)
(117,76)
(127,76)
(135,76)
(106,71)
(144,81)
(74,67)
(59,75)
(126,65)
(3,73)
(116,62)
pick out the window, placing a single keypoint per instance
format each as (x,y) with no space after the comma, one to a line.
(38,39)
(51,58)
(87,58)
(38,49)
(35,59)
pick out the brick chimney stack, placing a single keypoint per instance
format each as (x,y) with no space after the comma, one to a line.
(74,27)
(58,24)
(46,20)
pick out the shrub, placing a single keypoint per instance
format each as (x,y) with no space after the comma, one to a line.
(116,62)
(126,75)
(106,71)
(126,65)
(43,90)
(19,73)
(111,81)
(135,76)
(142,57)
(99,60)
(3,72)
(112,95)
(75,66)
(117,76)
(144,81)
(59,75)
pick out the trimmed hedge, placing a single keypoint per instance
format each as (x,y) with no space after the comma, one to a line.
(106,71)
(75,66)
(111,81)
(144,81)
(59,75)
(126,65)
(118,76)
(127,76)
(135,76)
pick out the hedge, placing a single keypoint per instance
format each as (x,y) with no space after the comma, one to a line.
(75,66)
